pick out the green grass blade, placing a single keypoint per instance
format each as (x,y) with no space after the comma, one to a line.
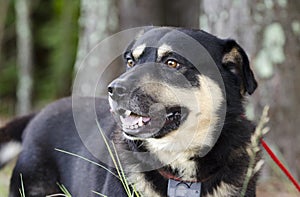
(90,161)
(135,192)
(22,190)
(120,165)
(128,192)
(64,190)
(99,194)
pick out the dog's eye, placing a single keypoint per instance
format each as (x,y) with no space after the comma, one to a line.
(172,63)
(130,62)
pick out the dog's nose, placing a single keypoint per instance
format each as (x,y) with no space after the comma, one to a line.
(116,91)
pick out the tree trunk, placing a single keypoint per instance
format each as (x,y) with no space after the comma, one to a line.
(135,13)
(181,13)
(270,33)
(98,20)
(280,46)
(24,56)
(3,13)
(65,55)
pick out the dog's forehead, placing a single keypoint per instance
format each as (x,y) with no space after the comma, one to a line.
(190,44)
(158,37)
(151,37)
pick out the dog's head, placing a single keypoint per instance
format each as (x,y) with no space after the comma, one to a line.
(170,95)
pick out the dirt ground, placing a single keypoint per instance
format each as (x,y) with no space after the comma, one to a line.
(277,188)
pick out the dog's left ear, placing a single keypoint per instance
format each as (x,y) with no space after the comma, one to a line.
(235,59)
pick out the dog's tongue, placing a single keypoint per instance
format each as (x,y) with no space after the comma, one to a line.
(132,120)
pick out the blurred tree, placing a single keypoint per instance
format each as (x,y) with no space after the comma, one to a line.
(135,13)
(270,33)
(65,30)
(25,60)
(3,14)
(8,71)
(277,65)
(98,20)
(55,31)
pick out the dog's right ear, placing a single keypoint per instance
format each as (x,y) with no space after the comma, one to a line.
(236,61)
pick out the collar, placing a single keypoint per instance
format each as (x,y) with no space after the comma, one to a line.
(168,175)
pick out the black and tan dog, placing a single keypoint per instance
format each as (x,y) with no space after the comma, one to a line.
(178,128)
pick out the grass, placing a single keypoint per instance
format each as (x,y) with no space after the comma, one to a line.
(273,187)
(117,163)
(129,189)
(64,190)
(5,174)
(21,190)
(254,149)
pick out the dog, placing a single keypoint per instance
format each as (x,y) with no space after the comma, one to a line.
(175,119)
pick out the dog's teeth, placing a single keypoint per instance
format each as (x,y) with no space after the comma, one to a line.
(136,126)
(169,114)
(140,123)
(131,127)
(127,113)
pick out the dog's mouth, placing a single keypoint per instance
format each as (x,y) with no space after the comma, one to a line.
(133,121)
(154,125)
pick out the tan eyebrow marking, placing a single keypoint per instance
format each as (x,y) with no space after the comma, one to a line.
(138,51)
(163,50)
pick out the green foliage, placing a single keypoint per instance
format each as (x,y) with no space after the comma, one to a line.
(8,79)
(8,74)
(8,84)
(55,34)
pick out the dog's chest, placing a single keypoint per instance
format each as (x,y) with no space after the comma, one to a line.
(179,162)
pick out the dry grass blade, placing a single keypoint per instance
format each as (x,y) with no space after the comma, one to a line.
(99,194)
(254,149)
(117,164)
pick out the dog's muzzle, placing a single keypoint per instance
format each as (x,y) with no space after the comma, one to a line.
(139,115)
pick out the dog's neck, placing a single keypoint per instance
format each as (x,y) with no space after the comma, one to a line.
(173,176)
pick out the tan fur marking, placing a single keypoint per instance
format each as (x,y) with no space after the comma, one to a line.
(178,146)
(224,190)
(233,56)
(138,51)
(203,110)
(144,187)
(163,50)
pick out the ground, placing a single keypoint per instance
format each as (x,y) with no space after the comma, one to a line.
(5,178)
(271,188)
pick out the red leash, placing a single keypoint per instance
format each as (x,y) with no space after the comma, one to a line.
(280,164)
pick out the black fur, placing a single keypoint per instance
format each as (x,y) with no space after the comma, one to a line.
(14,129)
(42,167)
